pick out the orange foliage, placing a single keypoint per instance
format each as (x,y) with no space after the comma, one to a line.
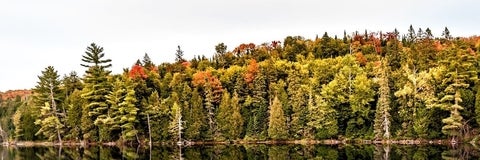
(201,77)
(252,70)
(361,59)
(137,71)
(377,63)
(153,69)
(11,94)
(244,48)
(186,64)
(438,46)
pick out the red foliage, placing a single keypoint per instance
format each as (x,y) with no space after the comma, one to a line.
(137,71)
(252,70)
(275,44)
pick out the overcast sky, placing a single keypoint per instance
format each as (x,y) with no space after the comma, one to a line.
(35,34)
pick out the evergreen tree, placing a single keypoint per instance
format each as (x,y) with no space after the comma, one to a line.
(322,119)
(382,122)
(277,127)
(175,128)
(258,122)
(147,62)
(236,120)
(179,55)
(459,72)
(224,116)
(446,34)
(47,91)
(74,104)
(298,100)
(95,90)
(196,123)
(50,125)
(210,107)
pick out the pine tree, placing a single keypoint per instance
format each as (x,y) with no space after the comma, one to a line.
(175,128)
(224,116)
(197,120)
(47,91)
(382,120)
(110,123)
(259,119)
(277,127)
(460,71)
(95,90)
(322,119)
(209,104)
(236,117)
(147,62)
(298,101)
(179,55)
(127,115)
(74,104)
(446,34)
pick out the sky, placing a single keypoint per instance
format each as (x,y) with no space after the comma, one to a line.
(36,34)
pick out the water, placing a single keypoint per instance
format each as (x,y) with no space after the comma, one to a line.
(253,152)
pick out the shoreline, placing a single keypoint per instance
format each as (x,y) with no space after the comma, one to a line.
(236,142)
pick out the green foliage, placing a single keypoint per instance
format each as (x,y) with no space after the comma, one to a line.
(277,127)
(381,126)
(321,88)
(95,90)
(322,119)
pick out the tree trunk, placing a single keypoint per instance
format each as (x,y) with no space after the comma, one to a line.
(149,131)
(54,112)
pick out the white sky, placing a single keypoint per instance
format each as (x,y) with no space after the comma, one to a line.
(35,34)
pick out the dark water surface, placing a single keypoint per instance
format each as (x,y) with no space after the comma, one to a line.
(247,152)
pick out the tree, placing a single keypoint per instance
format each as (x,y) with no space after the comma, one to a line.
(195,117)
(179,55)
(236,117)
(74,103)
(48,92)
(147,62)
(460,71)
(412,97)
(95,57)
(277,127)
(446,34)
(128,113)
(224,116)
(382,122)
(175,128)
(322,119)
(50,125)
(258,121)
(298,100)
(96,87)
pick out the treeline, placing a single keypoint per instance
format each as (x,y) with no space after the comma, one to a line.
(368,86)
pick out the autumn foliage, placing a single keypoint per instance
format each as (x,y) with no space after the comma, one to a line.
(252,70)
(137,71)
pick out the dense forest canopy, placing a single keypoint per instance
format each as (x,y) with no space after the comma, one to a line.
(375,86)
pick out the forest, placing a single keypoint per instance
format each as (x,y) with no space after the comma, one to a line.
(369,86)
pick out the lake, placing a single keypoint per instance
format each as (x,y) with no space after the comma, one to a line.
(253,152)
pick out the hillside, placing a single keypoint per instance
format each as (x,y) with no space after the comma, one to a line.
(10,94)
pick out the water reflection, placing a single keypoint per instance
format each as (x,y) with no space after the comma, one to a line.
(241,152)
